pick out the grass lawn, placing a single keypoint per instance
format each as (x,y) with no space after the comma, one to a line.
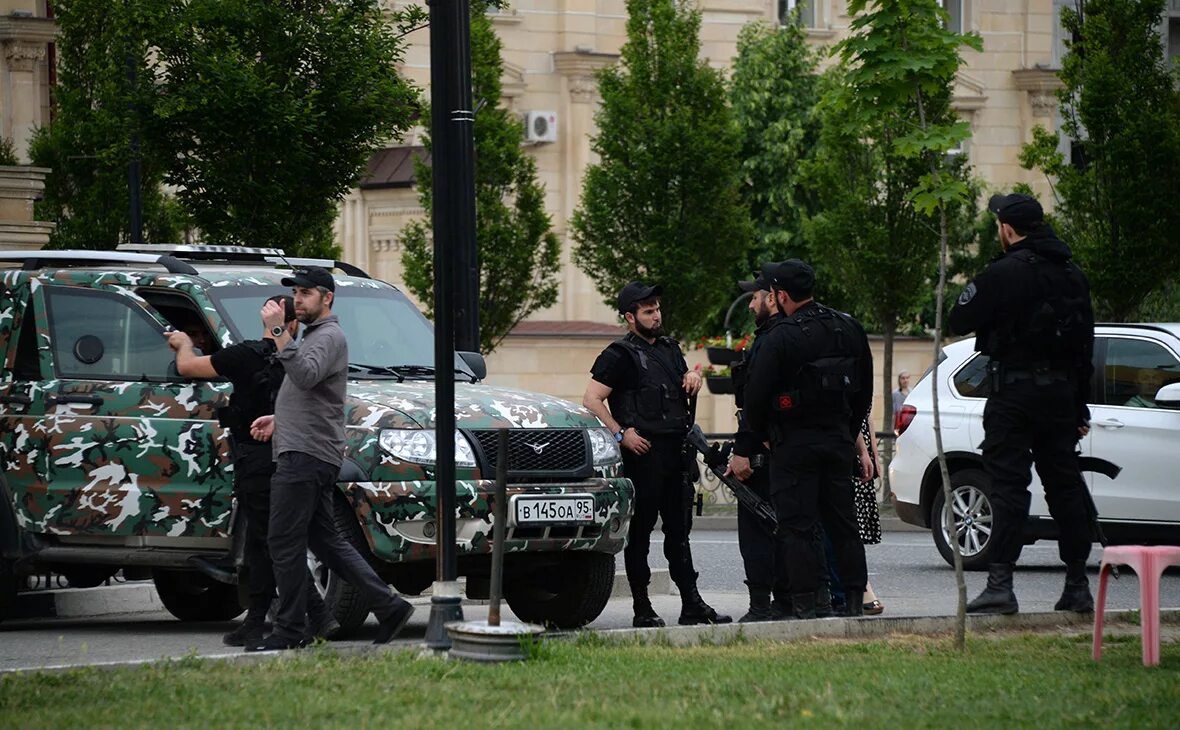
(1017,680)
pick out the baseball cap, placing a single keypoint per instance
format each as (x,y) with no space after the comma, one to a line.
(1017,210)
(309,277)
(637,291)
(759,283)
(792,276)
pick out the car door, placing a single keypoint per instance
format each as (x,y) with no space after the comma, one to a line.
(133,450)
(1130,431)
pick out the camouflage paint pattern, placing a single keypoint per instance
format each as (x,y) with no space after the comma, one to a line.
(148,458)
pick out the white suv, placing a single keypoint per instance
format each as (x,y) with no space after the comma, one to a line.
(1135,420)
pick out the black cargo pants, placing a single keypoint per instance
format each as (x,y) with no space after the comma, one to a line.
(1029,423)
(660,492)
(756,538)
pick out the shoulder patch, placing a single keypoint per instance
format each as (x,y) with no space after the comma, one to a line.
(968,293)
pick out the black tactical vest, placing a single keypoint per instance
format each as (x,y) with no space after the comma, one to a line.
(658,406)
(820,391)
(1054,332)
(256,397)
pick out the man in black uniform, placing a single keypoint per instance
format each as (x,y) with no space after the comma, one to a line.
(809,388)
(255,374)
(1030,311)
(751,464)
(649,386)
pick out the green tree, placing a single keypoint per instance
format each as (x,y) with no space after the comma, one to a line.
(269,111)
(97,108)
(664,201)
(901,62)
(774,91)
(1118,200)
(519,255)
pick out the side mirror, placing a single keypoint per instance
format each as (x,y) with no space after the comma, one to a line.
(475,361)
(1168,396)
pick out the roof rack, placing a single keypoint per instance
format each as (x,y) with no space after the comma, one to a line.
(210,252)
(33,260)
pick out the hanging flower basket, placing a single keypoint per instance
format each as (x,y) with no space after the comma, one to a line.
(722,355)
(719,384)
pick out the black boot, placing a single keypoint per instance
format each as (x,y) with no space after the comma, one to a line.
(759,607)
(803,605)
(998,596)
(694,610)
(645,616)
(1076,596)
(855,602)
(823,602)
(249,633)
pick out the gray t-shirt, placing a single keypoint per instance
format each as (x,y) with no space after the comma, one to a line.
(309,411)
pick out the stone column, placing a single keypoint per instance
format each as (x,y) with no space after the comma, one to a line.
(575,128)
(23,52)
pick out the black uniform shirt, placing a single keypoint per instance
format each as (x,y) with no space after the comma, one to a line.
(616,369)
(779,361)
(239,363)
(747,442)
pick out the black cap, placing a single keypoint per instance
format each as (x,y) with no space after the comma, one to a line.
(793,276)
(1018,210)
(759,283)
(288,304)
(309,277)
(637,291)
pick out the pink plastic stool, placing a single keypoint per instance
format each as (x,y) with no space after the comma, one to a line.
(1148,563)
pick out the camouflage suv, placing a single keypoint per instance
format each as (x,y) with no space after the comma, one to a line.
(109,460)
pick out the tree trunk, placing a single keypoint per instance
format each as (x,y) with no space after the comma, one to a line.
(889,331)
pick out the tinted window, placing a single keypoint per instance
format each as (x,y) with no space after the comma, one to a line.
(972,379)
(100,335)
(1135,370)
(382,326)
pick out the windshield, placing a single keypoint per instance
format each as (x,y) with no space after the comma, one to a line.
(384,329)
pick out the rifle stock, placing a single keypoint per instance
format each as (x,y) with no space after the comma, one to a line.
(716,460)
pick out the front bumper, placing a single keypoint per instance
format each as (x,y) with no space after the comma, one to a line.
(399,518)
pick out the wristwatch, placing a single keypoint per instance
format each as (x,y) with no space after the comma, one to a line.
(276,331)
(619,435)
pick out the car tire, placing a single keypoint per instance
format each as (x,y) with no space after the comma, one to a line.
(972,490)
(566,596)
(8,586)
(191,596)
(87,576)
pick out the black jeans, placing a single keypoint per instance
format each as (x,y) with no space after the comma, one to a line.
(756,538)
(301,516)
(810,479)
(253,494)
(660,491)
(1025,424)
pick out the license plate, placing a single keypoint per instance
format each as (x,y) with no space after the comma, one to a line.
(558,509)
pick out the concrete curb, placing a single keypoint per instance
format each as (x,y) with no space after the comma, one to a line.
(141,596)
(873,627)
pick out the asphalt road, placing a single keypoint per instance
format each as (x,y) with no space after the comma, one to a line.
(909,575)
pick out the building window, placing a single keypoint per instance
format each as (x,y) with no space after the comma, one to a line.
(1174,34)
(806,12)
(954,9)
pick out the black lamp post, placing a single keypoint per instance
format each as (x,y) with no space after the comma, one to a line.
(453,159)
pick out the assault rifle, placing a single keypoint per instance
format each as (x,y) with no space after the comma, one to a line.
(716,458)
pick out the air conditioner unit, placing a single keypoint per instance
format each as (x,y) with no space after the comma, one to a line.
(540,127)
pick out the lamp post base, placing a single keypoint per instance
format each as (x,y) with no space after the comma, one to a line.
(445,607)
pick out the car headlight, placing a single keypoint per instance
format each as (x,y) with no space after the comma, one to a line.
(421,446)
(603,446)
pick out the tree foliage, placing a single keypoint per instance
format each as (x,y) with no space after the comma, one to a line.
(519,254)
(97,109)
(1118,200)
(664,203)
(260,114)
(270,111)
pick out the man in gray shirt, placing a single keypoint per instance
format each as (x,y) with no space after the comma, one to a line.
(308,440)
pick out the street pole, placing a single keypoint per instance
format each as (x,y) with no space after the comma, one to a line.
(135,232)
(466,274)
(453,217)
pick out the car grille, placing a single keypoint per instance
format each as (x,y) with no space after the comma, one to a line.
(537,453)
